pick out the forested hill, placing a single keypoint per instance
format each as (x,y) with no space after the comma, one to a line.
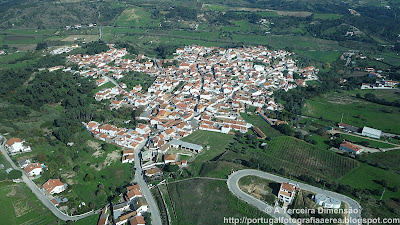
(54,14)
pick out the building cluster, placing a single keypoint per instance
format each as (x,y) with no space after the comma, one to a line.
(123,137)
(63,49)
(381,84)
(207,90)
(128,211)
(208,79)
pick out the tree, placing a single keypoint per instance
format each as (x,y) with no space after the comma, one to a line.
(14,174)
(285,129)
(76,168)
(41,46)
(3,175)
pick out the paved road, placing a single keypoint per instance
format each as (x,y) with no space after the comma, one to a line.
(39,194)
(234,188)
(155,214)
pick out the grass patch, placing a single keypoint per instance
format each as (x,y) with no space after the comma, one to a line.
(356,112)
(366,177)
(321,56)
(218,142)
(20,206)
(213,201)
(136,17)
(327,16)
(109,84)
(387,94)
(388,159)
(371,143)
(88,220)
(256,120)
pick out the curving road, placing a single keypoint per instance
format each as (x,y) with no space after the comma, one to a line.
(39,194)
(233,186)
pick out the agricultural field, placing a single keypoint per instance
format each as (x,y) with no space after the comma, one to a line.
(136,17)
(298,157)
(213,201)
(20,206)
(356,112)
(321,56)
(387,94)
(213,139)
(369,177)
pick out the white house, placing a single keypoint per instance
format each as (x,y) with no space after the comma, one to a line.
(33,169)
(54,186)
(287,192)
(15,145)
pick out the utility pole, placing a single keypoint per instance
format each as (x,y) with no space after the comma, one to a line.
(341,120)
(382,193)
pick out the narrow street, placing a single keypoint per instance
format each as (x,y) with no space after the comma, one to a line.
(144,188)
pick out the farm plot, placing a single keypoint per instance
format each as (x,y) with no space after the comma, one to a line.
(298,157)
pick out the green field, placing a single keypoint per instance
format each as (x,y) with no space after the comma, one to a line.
(387,94)
(259,122)
(20,206)
(136,17)
(205,202)
(320,141)
(327,16)
(88,220)
(321,56)
(215,7)
(355,111)
(298,157)
(389,159)
(218,142)
(373,144)
(366,177)
(106,85)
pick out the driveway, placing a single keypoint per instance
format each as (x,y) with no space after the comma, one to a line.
(234,188)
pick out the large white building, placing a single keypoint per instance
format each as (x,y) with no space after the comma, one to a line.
(331,203)
(371,132)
